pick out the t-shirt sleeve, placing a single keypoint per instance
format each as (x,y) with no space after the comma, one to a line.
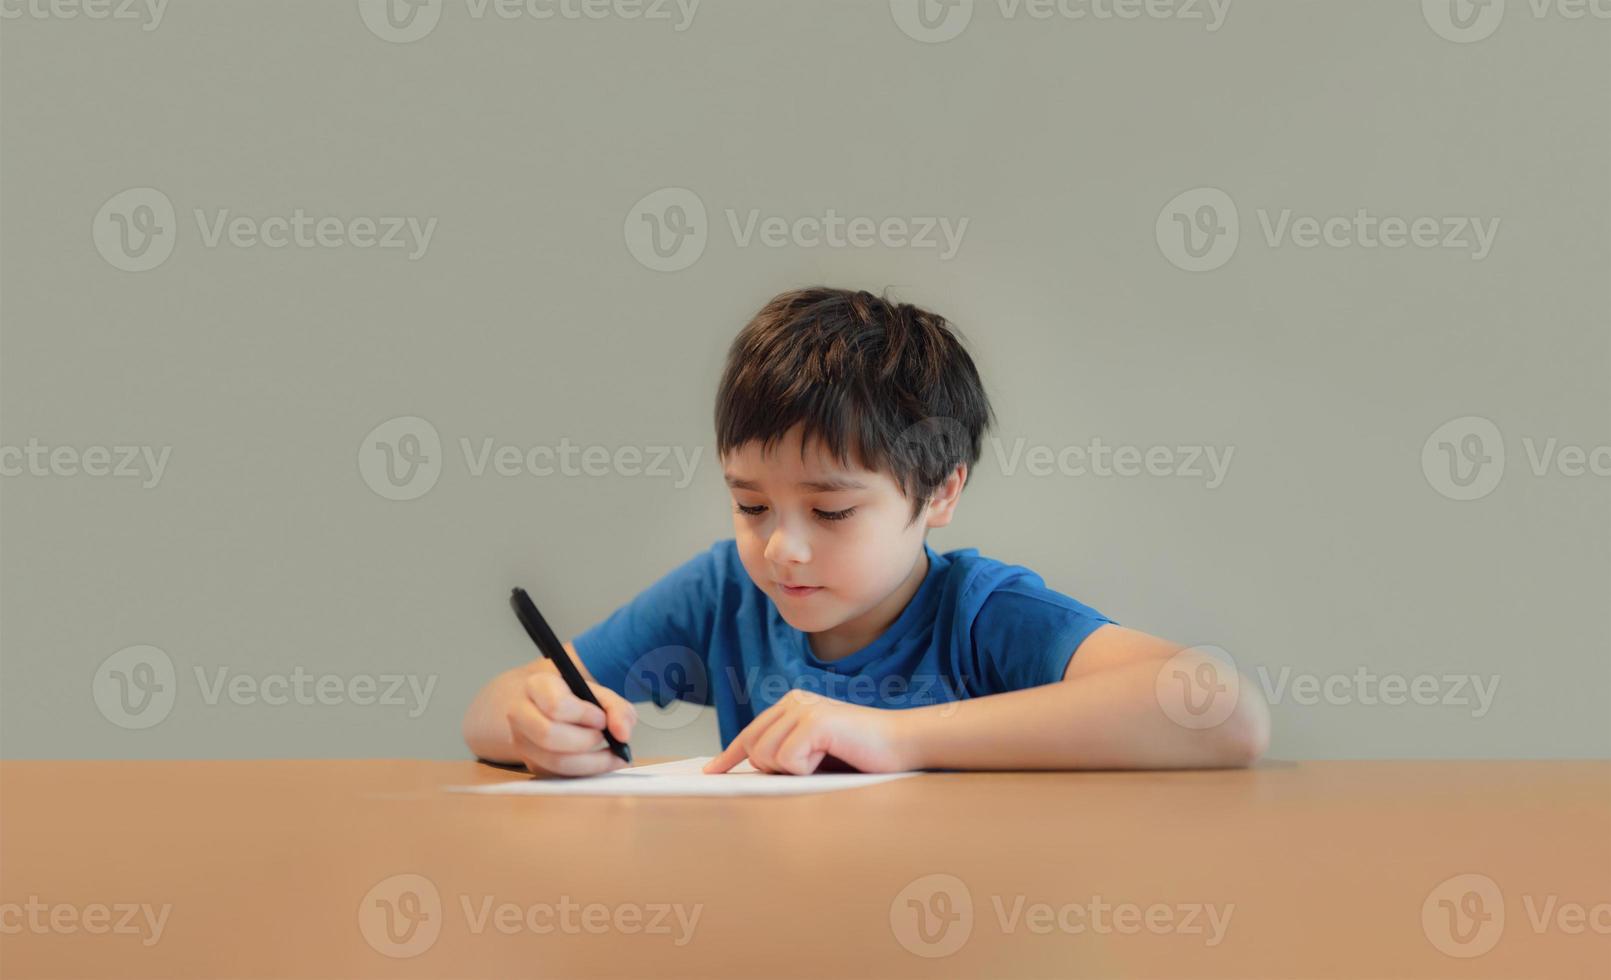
(654,648)
(1025,635)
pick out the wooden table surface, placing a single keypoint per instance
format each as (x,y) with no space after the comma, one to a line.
(370,869)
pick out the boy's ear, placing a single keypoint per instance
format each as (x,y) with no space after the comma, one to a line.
(944,500)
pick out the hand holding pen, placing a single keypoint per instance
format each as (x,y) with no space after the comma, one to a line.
(564,726)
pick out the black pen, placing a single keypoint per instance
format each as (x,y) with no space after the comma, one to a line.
(548,643)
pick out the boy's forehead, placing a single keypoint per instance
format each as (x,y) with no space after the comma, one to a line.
(819,483)
(749,467)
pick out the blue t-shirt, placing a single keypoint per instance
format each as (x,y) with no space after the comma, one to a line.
(706,634)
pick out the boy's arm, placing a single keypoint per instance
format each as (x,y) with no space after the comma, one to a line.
(1127,700)
(1112,710)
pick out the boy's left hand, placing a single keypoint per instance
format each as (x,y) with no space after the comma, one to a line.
(793,736)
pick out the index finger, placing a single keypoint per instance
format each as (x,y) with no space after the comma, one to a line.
(729,757)
(738,749)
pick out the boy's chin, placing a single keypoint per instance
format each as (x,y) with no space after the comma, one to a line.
(805,623)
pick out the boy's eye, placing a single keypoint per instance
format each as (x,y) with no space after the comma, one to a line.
(826,515)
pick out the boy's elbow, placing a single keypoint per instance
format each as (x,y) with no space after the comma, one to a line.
(1245,735)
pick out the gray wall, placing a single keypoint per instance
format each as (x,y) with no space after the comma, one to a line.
(538,312)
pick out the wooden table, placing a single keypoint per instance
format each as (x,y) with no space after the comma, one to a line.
(370,869)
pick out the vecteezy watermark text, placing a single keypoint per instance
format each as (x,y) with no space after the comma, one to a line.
(1365,687)
(402,458)
(936,21)
(1469,21)
(1199,230)
(144,463)
(1463,916)
(1464,458)
(147,12)
(94,919)
(302,230)
(667,230)
(762,689)
(138,686)
(933,916)
(403,916)
(136,230)
(406,21)
(1199,687)
(1100,460)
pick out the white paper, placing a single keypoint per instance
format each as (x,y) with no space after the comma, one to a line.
(684,778)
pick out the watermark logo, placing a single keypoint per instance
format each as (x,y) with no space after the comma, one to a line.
(400,21)
(936,21)
(1463,21)
(404,915)
(931,21)
(932,446)
(667,230)
(401,458)
(135,230)
(1464,916)
(406,21)
(674,680)
(1469,21)
(1198,687)
(1198,230)
(1464,458)
(932,916)
(135,687)
(401,916)
(1097,915)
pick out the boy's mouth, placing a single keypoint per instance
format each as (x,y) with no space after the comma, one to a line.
(799,590)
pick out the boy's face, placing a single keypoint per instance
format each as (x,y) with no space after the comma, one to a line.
(848,532)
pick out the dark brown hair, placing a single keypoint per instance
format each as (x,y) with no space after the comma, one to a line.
(886,384)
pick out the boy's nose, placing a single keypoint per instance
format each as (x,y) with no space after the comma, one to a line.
(786,547)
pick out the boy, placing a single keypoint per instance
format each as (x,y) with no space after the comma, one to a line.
(828,629)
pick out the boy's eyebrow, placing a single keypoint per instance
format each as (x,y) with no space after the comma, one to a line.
(817,486)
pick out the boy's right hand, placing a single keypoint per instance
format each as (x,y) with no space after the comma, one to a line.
(556,733)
